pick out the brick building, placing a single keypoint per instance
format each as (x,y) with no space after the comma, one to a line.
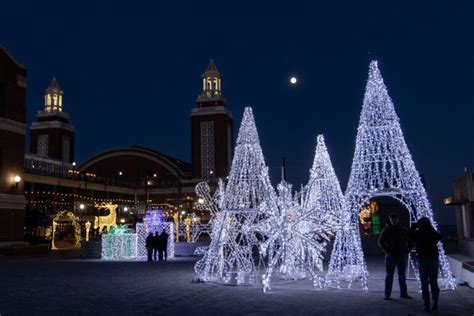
(136,178)
(12,143)
(211,128)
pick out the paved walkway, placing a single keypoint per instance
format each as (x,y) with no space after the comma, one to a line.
(52,286)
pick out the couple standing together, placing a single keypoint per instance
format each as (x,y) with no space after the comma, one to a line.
(157,244)
(397,242)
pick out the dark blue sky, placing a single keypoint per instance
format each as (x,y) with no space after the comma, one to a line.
(131,73)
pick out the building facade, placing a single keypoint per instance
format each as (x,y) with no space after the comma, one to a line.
(12,143)
(463,201)
(37,185)
(211,129)
(135,178)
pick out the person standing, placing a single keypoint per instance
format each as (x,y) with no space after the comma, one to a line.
(156,246)
(149,245)
(396,245)
(163,246)
(426,240)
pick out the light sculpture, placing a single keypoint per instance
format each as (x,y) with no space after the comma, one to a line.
(248,198)
(296,241)
(383,165)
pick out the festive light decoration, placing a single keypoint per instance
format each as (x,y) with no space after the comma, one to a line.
(296,240)
(199,229)
(119,245)
(323,198)
(106,221)
(88,228)
(301,230)
(154,222)
(248,198)
(187,222)
(347,264)
(383,166)
(75,224)
(176,224)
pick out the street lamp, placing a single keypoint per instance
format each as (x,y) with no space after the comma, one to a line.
(17,179)
(125,209)
(81,206)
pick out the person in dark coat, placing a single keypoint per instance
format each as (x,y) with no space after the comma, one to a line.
(156,246)
(395,243)
(426,240)
(163,246)
(149,245)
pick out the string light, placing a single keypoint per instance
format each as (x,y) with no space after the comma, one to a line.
(245,201)
(383,166)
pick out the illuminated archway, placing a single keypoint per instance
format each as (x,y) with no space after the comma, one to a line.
(75,224)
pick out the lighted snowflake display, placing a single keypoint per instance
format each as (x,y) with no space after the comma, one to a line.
(248,198)
(383,165)
(295,241)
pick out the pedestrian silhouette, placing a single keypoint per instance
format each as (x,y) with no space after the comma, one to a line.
(163,246)
(149,245)
(156,245)
(396,245)
(426,239)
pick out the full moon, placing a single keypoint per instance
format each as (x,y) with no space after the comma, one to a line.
(293,80)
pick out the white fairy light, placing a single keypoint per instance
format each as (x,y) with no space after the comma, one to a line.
(383,165)
(120,243)
(247,198)
(323,198)
(296,241)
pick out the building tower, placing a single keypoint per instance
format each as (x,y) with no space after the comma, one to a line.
(51,135)
(211,128)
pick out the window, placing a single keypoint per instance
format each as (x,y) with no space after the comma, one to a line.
(66,148)
(207,148)
(3,98)
(43,146)
(369,218)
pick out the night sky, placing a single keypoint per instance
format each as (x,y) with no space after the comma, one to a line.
(131,74)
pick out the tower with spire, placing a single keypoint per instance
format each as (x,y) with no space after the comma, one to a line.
(211,128)
(52,135)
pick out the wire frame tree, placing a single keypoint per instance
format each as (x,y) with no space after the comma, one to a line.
(382,164)
(248,198)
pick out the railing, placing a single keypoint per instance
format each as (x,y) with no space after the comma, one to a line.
(49,167)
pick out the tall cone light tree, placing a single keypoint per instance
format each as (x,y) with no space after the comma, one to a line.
(383,166)
(248,199)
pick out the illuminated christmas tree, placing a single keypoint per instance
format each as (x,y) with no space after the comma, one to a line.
(323,199)
(383,165)
(248,198)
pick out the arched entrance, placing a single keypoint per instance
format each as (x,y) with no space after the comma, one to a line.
(66,232)
(373,217)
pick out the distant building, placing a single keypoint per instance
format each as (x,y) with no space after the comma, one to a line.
(463,200)
(211,129)
(12,143)
(52,136)
(135,178)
